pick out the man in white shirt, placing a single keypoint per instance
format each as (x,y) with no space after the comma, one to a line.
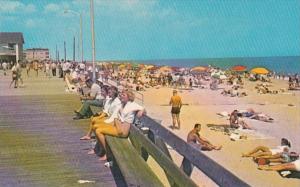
(19,72)
(81,67)
(94,98)
(4,66)
(47,67)
(53,67)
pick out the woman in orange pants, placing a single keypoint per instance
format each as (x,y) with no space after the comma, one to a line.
(121,125)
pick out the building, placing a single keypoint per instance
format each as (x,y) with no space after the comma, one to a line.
(11,46)
(36,54)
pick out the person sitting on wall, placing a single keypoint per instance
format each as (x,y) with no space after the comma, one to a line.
(94,98)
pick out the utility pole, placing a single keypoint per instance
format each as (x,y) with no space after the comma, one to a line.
(93,37)
(56,52)
(81,30)
(73,48)
(65,51)
(81,37)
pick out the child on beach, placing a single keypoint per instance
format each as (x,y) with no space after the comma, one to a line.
(194,137)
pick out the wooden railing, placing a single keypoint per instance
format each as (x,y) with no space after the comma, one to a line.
(155,145)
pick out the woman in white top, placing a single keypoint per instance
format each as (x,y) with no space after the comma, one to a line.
(121,125)
(265,151)
(109,113)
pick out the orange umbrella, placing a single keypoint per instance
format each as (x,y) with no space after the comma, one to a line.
(199,69)
(165,69)
(260,70)
(239,68)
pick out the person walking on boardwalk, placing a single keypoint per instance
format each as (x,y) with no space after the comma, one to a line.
(4,67)
(53,67)
(176,104)
(14,76)
(28,68)
(36,67)
(19,73)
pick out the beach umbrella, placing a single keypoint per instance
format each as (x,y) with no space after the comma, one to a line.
(199,69)
(239,68)
(165,69)
(260,70)
(149,66)
(135,65)
(141,66)
(177,69)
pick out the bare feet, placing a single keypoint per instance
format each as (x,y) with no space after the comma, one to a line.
(85,137)
(91,152)
(263,167)
(218,147)
(245,155)
(103,158)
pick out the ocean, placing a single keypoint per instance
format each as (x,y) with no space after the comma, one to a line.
(282,65)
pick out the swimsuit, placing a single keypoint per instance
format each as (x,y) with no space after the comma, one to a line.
(175,110)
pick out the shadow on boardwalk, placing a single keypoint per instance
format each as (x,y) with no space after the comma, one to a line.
(39,141)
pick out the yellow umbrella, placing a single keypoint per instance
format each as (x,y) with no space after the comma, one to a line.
(122,66)
(149,66)
(260,70)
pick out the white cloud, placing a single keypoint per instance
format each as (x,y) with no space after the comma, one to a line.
(10,6)
(57,9)
(30,8)
(30,23)
(34,22)
(52,7)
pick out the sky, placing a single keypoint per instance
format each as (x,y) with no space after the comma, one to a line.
(159,29)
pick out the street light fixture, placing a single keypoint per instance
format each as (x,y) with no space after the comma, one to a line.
(81,39)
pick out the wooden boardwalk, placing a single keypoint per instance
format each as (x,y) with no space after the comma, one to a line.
(39,141)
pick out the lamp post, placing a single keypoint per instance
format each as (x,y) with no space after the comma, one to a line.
(93,37)
(73,46)
(81,38)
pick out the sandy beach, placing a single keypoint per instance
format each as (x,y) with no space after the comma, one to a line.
(203,104)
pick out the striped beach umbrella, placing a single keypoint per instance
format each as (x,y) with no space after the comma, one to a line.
(260,70)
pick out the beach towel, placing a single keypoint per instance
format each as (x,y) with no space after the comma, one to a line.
(223,114)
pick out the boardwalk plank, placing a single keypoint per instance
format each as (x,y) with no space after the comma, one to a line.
(39,141)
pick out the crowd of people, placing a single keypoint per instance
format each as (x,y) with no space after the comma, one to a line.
(118,108)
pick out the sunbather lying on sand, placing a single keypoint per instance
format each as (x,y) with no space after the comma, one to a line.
(194,137)
(283,157)
(249,113)
(261,151)
(262,117)
(291,166)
